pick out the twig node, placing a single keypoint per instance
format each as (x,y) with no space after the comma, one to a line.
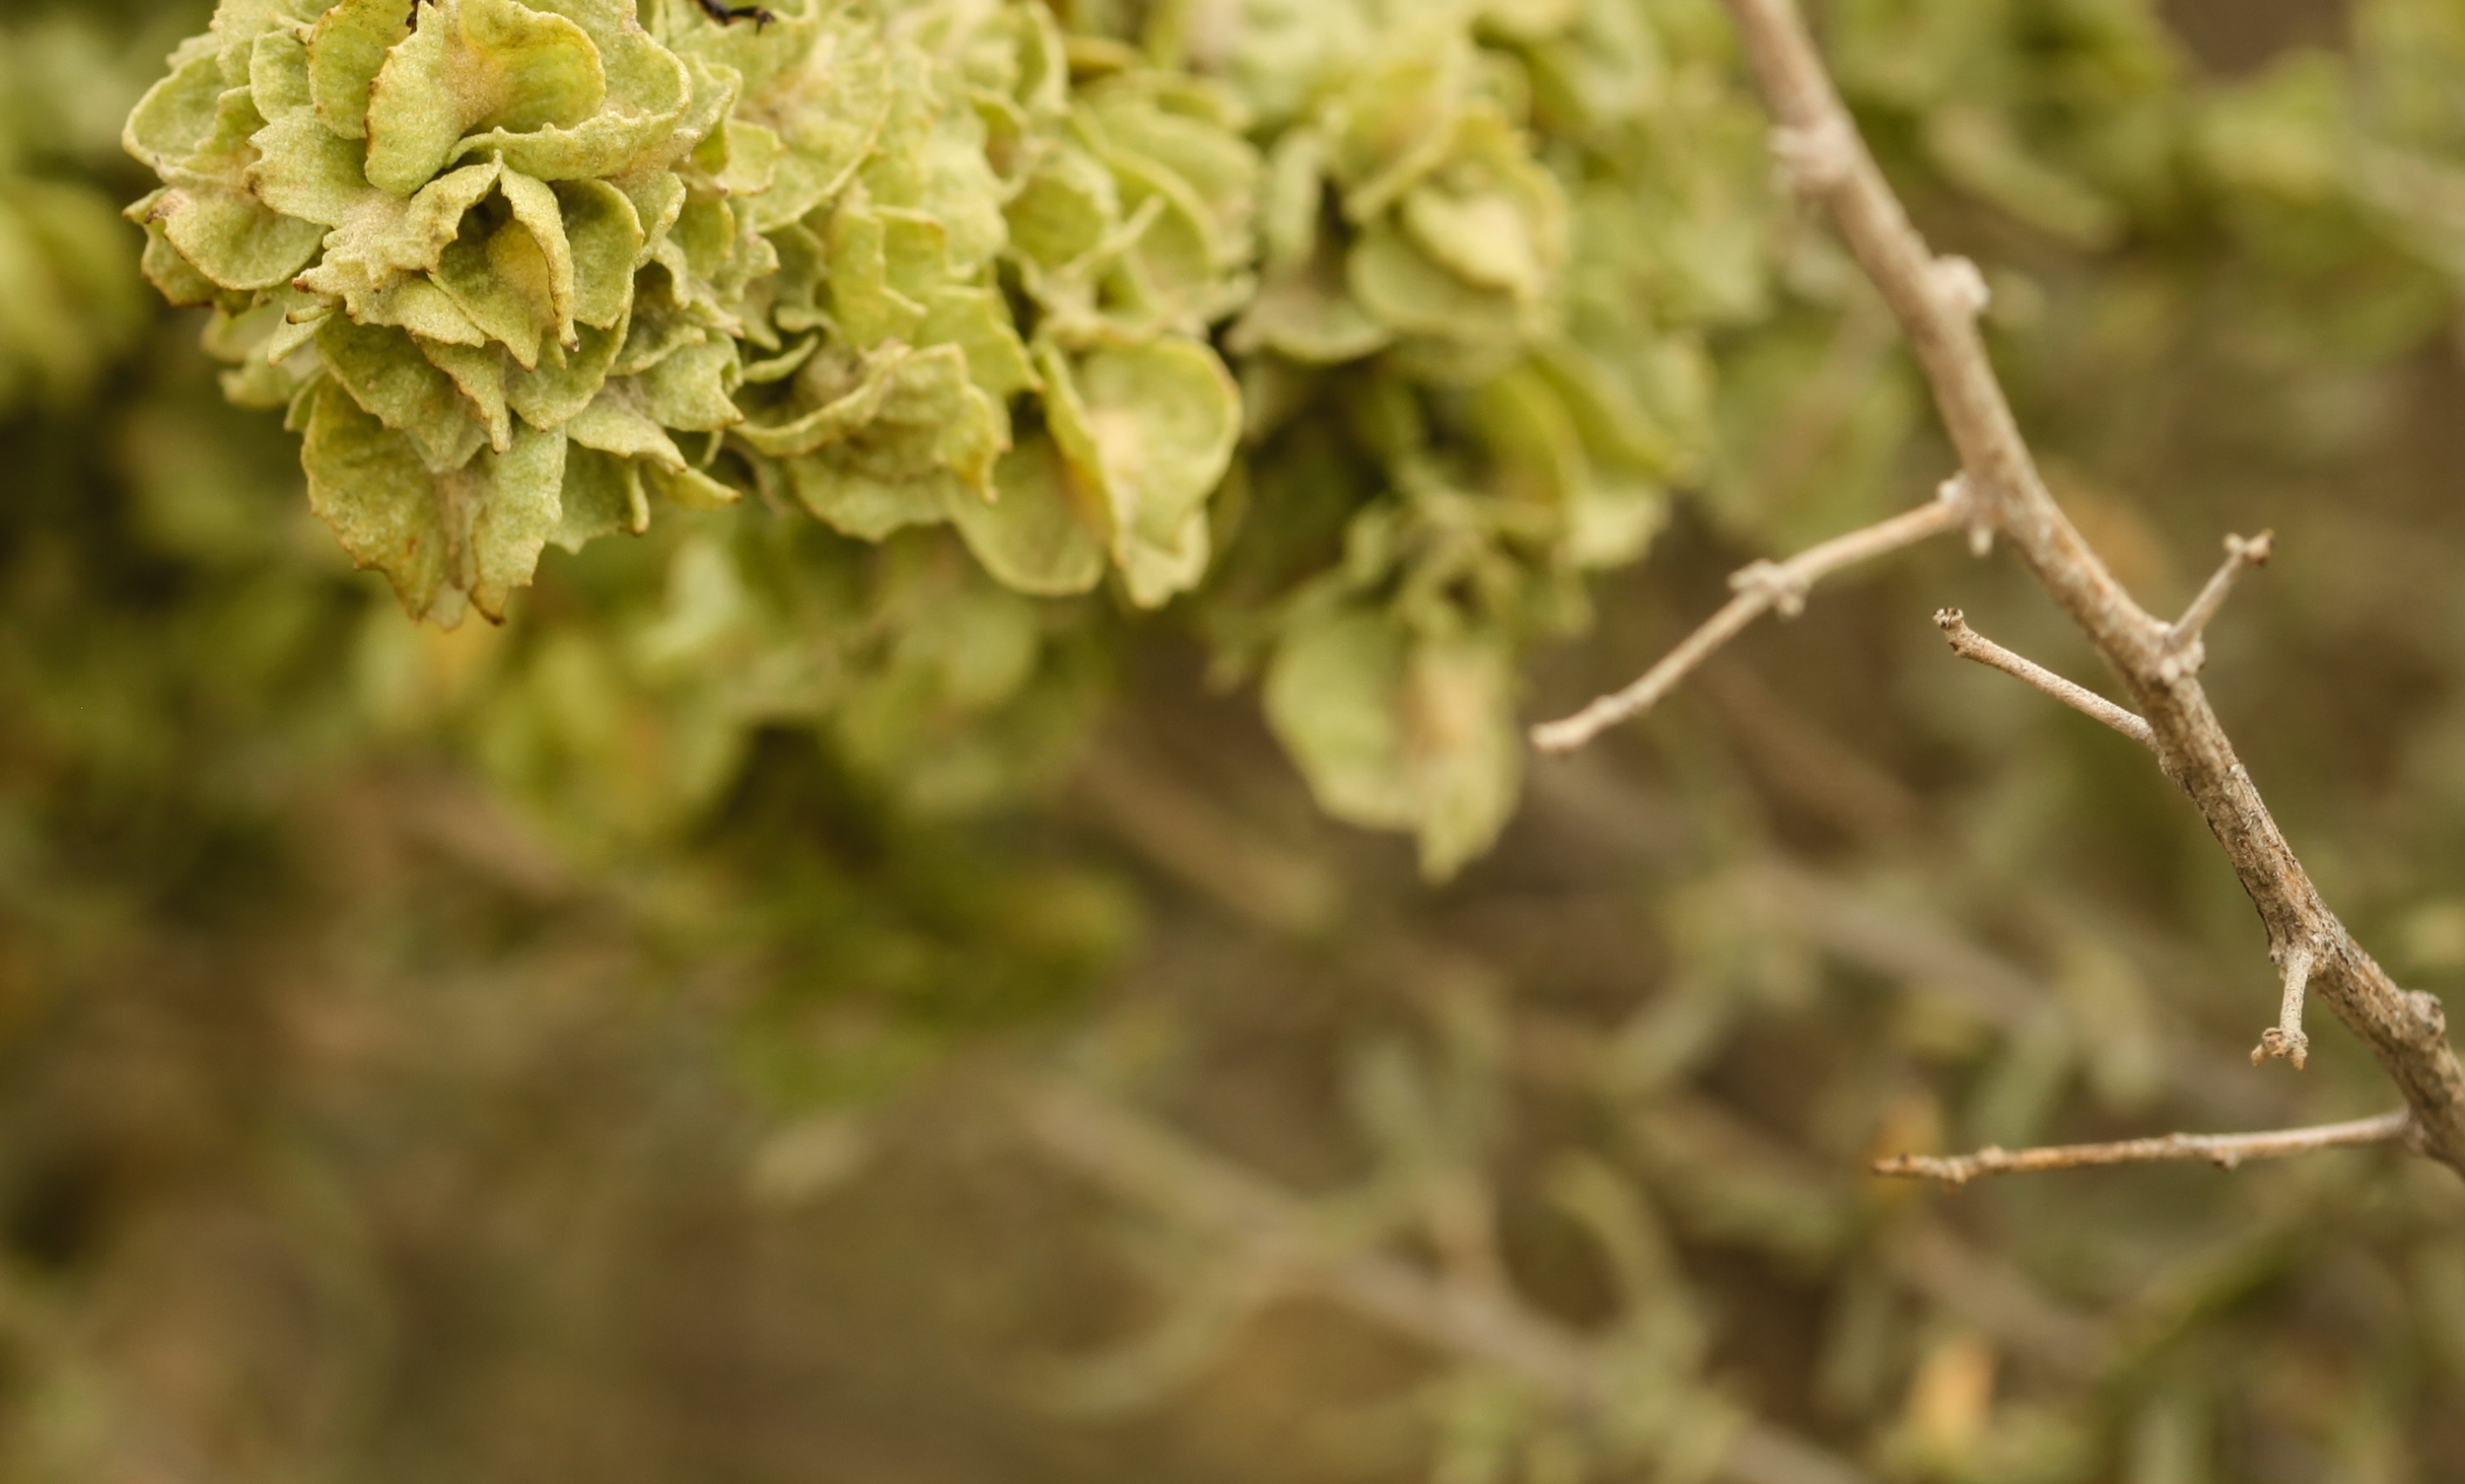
(2295,1047)
(1961,496)
(1816,158)
(1785,587)
(1961,286)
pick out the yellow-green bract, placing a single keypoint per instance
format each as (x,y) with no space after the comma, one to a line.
(530,269)
(510,269)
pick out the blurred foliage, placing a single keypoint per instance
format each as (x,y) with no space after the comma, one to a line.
(957,266)
(585,1048)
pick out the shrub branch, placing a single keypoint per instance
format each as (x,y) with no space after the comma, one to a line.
(1761,587)
(1936,301)
(2224,1150)
(1969,644)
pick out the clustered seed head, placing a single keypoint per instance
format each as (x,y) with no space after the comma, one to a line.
(506,266)
(530,271)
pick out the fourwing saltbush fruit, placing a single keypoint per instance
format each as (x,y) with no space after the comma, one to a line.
(535,270)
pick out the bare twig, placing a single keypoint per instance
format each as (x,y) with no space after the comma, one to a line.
(1969,644)
(2224,1150)
(2286,1037)
(1152,1167)
(1761,586)
(2241,554)
(1936,304)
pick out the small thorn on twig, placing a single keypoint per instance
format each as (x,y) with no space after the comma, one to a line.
(2286,1037)
(2182,639)
(1969,644)
(1962,286)
(1963,497)
(1816,158)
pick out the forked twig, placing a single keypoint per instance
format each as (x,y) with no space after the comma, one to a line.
(2241,555)
(1969,644)
(1761,587)
(1937,301)
(2224,1150)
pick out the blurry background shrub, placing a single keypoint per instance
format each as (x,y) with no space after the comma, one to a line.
(456,1055)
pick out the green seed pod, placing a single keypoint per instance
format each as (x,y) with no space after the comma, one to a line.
(527,270)
(494,235)
(1121,212)
(1460,356)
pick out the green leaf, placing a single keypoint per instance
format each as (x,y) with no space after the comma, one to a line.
(1394,732)
(869,311)
(603,496)
(1334,697)
(1043,535)
(518,511)
(176,116)
(938,168)
(1068,206)
(1151,428)
(1307,313)
(476,64)
(606,239)
(901,415)
(479,372)
(383,238)
(371,485)
(497,273)
(690,390)
(233,240)
(1406,290)
(278,75)
(473,531)
(174,276)
(1220,169)
(690,489)
(867,508)
(345,50)
(388,377)
(1396,118)
(1483,239)
(1536,451)
(977,321)
(417,304)
(306,170)
(562,387)
(828,115)
(537,208)
(1463,752)
(1294,196)
(614,424)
